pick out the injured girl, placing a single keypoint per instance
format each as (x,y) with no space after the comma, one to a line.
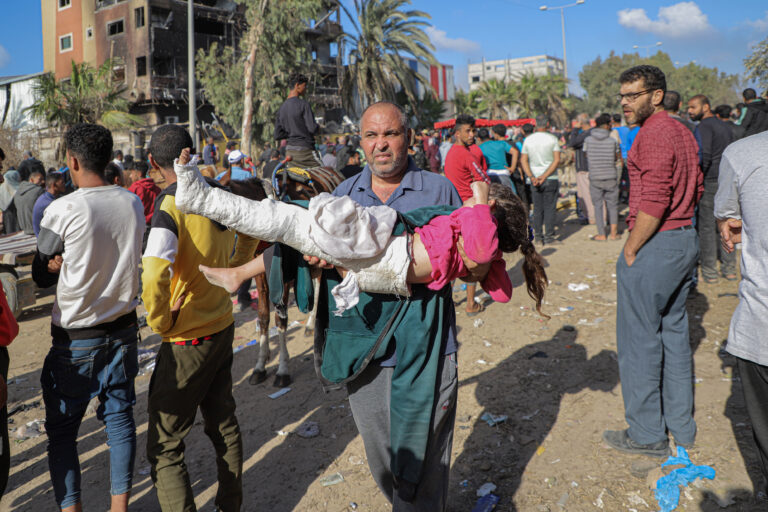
(360,242)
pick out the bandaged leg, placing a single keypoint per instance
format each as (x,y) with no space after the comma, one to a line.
(384,270)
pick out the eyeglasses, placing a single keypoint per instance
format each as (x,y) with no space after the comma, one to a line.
(632,96)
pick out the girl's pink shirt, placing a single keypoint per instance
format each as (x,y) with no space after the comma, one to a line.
(478,228)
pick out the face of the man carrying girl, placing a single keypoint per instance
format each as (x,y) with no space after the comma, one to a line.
(384,141)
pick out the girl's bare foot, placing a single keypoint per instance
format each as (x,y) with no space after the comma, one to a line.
(225,277)
(614,237)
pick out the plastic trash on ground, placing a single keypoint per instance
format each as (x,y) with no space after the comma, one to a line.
(493,419)
(278,394)
(667,491)
(486,503)
(486,488)
(333,479)
(580,287)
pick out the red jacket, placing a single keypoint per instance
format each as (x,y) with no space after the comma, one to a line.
(147,191)
(8,326)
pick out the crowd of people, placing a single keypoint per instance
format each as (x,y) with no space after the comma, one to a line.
(113,231)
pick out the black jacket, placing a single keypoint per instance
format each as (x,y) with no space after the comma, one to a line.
(296,122)
(756,118)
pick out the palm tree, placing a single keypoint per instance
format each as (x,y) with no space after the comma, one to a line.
(384,34)
(89,96)
(495,98)
(541,94)
(467,103)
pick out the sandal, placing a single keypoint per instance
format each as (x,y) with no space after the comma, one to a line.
(595,239)
(731,277)
(711,280)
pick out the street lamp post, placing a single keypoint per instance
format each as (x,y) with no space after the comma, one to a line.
(562,27)
(191,71)
(647,47)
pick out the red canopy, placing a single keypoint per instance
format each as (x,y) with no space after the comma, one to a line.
(486,122)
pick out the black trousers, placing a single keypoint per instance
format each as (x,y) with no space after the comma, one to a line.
(5,457)
(754,380)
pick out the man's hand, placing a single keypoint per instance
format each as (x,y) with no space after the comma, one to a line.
(185,157)
(730,233)
(477,271)
(54,265)
(629,257)
(314,261)
(177,307)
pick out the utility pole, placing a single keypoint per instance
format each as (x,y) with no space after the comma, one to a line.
(562,28)
(191,71)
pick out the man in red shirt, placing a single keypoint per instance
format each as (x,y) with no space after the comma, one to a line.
(464,164)
(147,191)
(654,272)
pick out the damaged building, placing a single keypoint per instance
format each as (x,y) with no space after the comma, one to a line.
(148,41)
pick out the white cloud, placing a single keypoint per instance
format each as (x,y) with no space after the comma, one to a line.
(5,57)
(675,21)
(441,41)
(761,24)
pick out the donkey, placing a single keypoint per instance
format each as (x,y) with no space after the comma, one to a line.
(295,184)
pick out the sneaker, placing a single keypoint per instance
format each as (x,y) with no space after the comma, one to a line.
(620,440)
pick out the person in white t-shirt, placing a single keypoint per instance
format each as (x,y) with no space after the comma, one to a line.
(540,158)
(89,245)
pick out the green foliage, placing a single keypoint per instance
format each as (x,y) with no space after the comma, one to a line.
(757,64)
(600,80)
(89,96)
(496,97)
(529,96)
(281,49)
(383,33)
(428,110)
(467,103)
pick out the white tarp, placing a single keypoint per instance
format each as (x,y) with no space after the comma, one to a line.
(16,94)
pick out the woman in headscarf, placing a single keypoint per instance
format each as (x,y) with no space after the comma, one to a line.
(7,192)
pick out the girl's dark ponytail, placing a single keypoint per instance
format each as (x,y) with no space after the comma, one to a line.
(514,233)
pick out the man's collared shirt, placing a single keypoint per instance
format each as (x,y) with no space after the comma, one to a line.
(417,189)
(664,174)
(238,173)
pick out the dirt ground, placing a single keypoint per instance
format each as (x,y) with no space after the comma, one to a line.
(557,381)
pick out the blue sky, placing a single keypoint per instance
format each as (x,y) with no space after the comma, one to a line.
(711,32)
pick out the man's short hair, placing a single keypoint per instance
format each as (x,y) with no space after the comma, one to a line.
(465,119)
(167,143)
(400,110)
(671,101)
(500,130)
(482,133)
(701,98)
(542,121)
(749,94)
(37,172)
(723,111)
(2,154)
(653,78)
(117,153)
(91,144)
(527,128)
(231,144)
(143,168)
(52,178)
(274,154)
(296,79)
(111,171)
(617,118)
(603,120)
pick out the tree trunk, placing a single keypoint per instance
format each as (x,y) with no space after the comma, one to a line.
(254,36)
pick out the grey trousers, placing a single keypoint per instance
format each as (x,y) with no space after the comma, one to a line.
(654,352)
(304,158)
(605,191)
(711,250)
(369,398)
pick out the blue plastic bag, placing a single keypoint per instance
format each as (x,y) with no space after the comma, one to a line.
(667,491)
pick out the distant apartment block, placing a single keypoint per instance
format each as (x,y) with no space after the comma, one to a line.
(513,69)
